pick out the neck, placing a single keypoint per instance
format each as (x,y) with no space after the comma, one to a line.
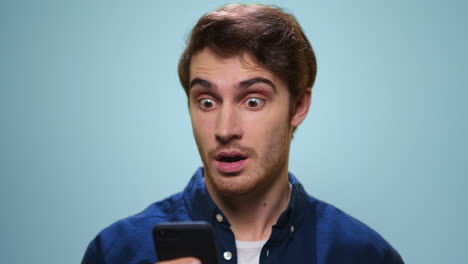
(252,215)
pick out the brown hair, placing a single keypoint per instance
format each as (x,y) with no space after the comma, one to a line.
(274,38)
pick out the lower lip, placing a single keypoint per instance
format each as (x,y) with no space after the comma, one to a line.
(231,167)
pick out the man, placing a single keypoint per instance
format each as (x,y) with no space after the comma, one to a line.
(248,71)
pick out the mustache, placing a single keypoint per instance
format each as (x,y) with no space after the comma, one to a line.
(232,146)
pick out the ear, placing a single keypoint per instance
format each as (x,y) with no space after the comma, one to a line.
(301,108)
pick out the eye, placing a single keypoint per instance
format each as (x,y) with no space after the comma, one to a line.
(254,102)
(206,103)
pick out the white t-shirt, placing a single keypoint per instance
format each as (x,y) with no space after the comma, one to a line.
(248,252)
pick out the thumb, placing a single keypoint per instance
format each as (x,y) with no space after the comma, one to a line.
(187,260)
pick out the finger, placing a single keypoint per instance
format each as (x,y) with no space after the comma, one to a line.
(187,260)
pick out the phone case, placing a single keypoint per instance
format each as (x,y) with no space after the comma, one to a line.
(185,239)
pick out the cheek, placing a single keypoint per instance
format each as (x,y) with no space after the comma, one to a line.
(267,123)
(267,132)
(202,128)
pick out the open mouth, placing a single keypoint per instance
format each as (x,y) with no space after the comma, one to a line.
(231,162)
(230,157)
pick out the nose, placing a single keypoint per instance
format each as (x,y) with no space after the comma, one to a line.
(228,125)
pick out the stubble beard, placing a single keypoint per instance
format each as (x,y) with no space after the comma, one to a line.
(261,172)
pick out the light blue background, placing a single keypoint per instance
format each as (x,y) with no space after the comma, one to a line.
(94,124)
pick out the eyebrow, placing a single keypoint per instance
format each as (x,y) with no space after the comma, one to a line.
(204,83)
(250,82)
(242,84)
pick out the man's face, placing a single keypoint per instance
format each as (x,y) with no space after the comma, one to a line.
(240,118)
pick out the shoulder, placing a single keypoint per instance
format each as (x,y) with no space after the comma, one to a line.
(168,209)
(131,237)
(341,238)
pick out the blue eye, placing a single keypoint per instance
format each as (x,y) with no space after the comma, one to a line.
(254,102)
(206,103)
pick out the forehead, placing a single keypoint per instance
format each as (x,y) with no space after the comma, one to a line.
(207,64)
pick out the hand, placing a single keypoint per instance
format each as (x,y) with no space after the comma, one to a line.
(181,261)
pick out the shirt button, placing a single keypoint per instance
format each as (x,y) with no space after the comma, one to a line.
(292,229)
(219,218)
(227,255)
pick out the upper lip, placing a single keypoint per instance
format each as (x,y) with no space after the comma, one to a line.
(224,154)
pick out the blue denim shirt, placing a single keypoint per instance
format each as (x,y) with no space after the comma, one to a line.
(309,231)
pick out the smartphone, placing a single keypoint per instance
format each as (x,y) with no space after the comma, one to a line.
(185,239)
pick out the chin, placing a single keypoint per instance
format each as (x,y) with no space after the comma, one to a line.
(232,189)
(235,185)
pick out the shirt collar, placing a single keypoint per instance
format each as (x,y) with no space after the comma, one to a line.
(202,208)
